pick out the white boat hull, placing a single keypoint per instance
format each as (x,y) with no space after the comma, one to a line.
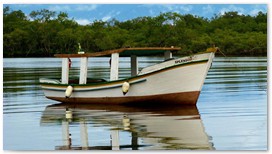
(177,81)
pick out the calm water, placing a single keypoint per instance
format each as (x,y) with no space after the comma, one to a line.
(231,113)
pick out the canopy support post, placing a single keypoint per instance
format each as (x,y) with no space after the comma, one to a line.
(115,140)
(65,71)
(83,70)
(84,134)
(134,65)
(167,55)
(114,66)
(65,133)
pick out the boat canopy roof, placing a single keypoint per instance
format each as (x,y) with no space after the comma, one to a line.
(125,52)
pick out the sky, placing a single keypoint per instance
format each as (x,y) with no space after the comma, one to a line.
(86,13)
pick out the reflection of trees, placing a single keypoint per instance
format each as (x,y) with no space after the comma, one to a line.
(21,80)
(238,74)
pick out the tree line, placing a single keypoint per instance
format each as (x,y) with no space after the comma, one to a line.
(45,33)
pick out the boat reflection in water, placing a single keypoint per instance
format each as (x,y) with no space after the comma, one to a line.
(162,127)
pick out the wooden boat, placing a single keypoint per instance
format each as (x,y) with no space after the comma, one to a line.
(174,80)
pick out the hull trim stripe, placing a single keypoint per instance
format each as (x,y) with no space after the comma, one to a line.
(94,89)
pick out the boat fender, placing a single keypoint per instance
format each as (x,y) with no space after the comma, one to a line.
(68,91)
(126,122)
(68,114)
(125,87)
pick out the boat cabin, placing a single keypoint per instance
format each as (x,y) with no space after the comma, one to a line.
(133,53)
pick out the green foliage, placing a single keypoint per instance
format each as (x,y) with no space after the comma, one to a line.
(44,33)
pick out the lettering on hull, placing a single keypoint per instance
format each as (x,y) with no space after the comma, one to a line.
(183,60)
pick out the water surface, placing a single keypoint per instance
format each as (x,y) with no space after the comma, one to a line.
(231,112)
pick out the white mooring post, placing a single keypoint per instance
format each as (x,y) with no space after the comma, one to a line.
(84,135)
(83,70)
(134,65)
(65,71)
(167,55)
(114,66)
